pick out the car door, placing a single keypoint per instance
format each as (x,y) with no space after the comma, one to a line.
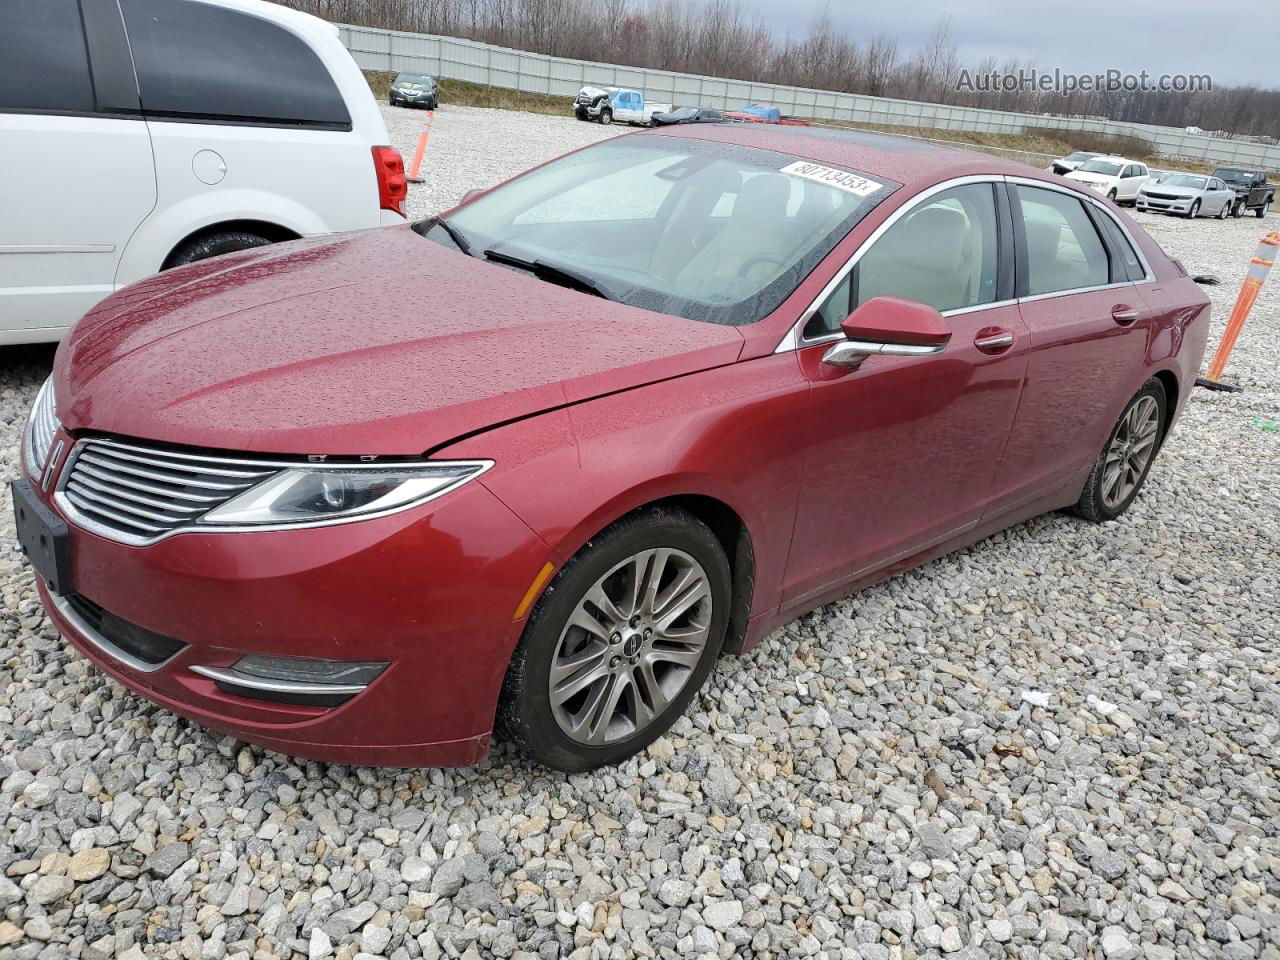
(1088,326)
(1217,196)
(76,173)
(902,451)
(1131,178)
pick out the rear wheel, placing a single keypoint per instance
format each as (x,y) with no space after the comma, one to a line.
(1126,458)
(214,245)
(1262,210)
(1237,211)
(1226,209)
(619,643)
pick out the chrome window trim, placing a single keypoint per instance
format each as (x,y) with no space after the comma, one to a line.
(794,340)
(72,513)
(101,643)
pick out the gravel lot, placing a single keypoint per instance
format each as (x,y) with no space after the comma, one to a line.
(1059,743)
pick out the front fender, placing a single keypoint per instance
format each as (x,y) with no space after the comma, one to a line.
(161,232)
(735,434)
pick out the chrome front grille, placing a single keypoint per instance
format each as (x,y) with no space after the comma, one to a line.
(138,494)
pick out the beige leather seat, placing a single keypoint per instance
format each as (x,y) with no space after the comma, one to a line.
(753,244)
(927,258)
(1051,266)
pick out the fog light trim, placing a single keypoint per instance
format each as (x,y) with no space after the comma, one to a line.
(267,678)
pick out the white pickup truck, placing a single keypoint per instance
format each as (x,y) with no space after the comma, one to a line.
(607,104)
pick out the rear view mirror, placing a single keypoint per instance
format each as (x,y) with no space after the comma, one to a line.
(889,326)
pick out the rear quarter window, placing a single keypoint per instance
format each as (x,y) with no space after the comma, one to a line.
(200,62)
(43,62)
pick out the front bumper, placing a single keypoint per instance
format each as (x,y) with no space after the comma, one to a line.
(432,591)
(1153,205)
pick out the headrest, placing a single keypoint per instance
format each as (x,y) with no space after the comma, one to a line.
(762,201)
(934,238)
(1043,238)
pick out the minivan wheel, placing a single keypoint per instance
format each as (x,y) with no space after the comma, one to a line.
(1126,458)
(620,642)
(214,245)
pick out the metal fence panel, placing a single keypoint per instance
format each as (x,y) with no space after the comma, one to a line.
(458,59)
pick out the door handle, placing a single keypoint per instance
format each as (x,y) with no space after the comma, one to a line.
(1124,314)
(993,340)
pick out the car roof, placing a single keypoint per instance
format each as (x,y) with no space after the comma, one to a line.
(900,159)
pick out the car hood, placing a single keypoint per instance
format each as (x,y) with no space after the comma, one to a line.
(1091,178)
(378,342)
(1172,191)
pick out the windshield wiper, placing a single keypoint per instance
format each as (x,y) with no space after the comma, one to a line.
(552,273)
(455,235)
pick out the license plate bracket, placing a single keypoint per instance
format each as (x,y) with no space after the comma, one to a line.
(43,536)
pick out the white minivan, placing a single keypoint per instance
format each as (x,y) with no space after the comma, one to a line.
(137,135)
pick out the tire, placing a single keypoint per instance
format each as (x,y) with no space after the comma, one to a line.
(434,104)
(1237,211)
(606,117)
(1223,213)
(1194,211)
(214,245)
(1262,210)
(1112,197)
(1139,432)
(571,733)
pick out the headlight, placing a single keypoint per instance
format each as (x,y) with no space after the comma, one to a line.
(317,493)
(42,427)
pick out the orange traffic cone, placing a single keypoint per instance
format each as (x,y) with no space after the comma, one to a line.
(422,148)
(1263,259)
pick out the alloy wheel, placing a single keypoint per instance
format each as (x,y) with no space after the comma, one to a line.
(1130,452)
(630,646)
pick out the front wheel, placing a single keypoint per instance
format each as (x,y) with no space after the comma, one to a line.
(606,117)
(1126,459)
(1194,211)
(619,643)
(1112,196)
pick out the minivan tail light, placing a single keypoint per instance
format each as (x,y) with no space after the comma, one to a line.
(393,188)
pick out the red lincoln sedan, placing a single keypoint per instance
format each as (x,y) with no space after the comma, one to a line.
(535,464)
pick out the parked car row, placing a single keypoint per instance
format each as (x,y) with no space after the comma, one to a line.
(1229,191)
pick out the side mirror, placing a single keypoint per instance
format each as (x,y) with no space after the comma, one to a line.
(892,327)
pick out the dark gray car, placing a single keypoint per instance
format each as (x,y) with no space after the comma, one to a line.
(414,90)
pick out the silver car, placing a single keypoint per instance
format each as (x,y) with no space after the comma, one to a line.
(1187,194)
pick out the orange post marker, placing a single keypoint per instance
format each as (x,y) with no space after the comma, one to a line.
(422,148)
(1263,260)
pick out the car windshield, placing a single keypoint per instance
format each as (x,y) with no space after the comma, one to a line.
(709,231)
(1184,180)
(1108,168)
(406,78)
(1079,156)
(683,113)
(1237,176)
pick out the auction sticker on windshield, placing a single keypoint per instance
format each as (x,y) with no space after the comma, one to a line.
(832,177)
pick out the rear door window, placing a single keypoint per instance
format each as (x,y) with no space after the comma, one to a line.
(1064,251)
(200,62)
(43,62)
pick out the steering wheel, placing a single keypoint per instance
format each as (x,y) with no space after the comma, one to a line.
(760,258)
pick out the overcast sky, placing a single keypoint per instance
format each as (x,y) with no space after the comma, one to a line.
(1234,45)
